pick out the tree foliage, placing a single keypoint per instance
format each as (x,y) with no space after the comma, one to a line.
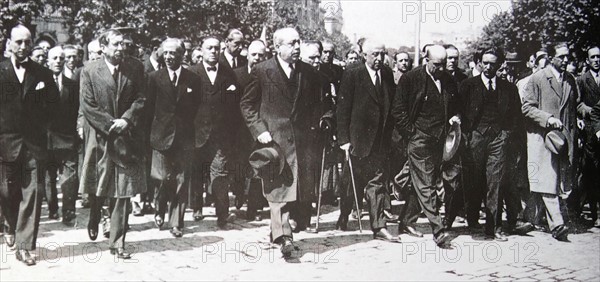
(18,12)
(535,24)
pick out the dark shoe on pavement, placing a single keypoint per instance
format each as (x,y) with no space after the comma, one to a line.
(342,224)
(287,247)
(176,232)
(384,234)
(137,210)
(10,240)
(159,221)
(93,232)
(25,257)
(561,233)
(442,238)
(389,217)
(198,215)
(497,237)
(410,231)
(120,252)
(521,228)
(147,208)
(447,223)
(53,215)
(597,223)
(68,216)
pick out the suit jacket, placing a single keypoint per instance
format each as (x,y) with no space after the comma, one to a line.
(174,109)
(545,98)
(25,110)
(359,109)
(590,95)
(459,76)
(410,94)
(218,112)
(62,130)
(148,67)
(241,61)
(293,121)
(471,99)
(103,100)
(333,73)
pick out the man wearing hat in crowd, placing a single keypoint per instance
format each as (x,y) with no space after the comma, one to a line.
(491,107)
(283,105)
(550,107)
(589,85)
(425,107)
(112,102)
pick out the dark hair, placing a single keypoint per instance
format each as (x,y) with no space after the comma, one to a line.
(231,32)
(424,49)
(496,52)
(350,52)
(209,37)
(558,45)
(590,47)
(402,52)
(69,46)
(450,46)
(37,48)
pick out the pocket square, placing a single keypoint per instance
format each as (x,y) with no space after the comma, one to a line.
(189,90)
(40,85)
(231,88)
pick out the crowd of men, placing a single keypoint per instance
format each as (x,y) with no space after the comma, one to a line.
(273,127)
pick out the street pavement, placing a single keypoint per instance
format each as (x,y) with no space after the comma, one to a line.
(243,252)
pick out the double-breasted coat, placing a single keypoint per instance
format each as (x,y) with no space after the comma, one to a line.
(102,100)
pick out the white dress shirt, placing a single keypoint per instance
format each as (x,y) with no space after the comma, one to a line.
(230,58)
(486,82)
(372,73)
(177,72)
(19,71)
(212,75)
(285,66)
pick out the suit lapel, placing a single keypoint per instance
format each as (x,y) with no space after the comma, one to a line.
(301,81)
(553,82)
(502,97)
(592,85)
(276,76)
(165,82)
(28,80)
(566,90)
(386,93)
(368,84)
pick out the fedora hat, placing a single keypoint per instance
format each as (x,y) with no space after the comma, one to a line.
(121,149)
(268,161)
(512,58)
(452,142)
(556,142)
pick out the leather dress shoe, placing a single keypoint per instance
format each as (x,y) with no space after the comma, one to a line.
(342,224)
(521,228)
(158,220)
(389,217)
(496,237)
(560,233)
(68,216)
(10,240)
(287,247)
(442,238)
(137,210)
(147,208)
(176,232)
(410,231)
(53,215)
(384,234)
(25,257)
(93,232)
(120,252)
(198,215)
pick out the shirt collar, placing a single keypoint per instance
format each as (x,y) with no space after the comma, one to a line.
(154,63)
(229,57)
(285,65)
(486,80)
(14,60)
(555,72)
(594,74)
(207,65)
(371,71)
(177,71)
(111,67)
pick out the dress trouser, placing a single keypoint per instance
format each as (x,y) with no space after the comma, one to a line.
(487,157)
(172,172)
(20,198)
(370,177)
(64,161)
(553,214)
(280,221)
(119,219)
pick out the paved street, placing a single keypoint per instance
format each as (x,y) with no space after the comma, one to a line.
(243,252)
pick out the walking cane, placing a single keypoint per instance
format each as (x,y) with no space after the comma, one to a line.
(354,188)
(320,189)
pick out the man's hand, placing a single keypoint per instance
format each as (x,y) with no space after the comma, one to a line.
(80,132)
(345,147)
(264,138)
(118,126)
(454,119)
(555,123)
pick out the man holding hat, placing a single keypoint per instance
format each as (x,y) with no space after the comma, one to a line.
(550,104)
(491,108)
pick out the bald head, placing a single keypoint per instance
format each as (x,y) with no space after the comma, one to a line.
(374,53)
(256,53)
(56,59)
(287,44)
(20,43)
(436,60)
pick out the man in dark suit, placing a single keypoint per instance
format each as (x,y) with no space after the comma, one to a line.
(491,107)
(71,70)
(452,64)
(26,90)
(233,46)
(63,140)
(332,71)
(365,125)
(173,97)
(256,54)
(155,61)
(112,103)
(213,123)
(424,106)
(283,104)
(589,87)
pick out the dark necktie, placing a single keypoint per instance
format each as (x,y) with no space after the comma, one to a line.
(377,82)
(292,73)
(19,65)
(211,68)
(490,85)
(116,75)
(234,63)
(174,80)
(57,82)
